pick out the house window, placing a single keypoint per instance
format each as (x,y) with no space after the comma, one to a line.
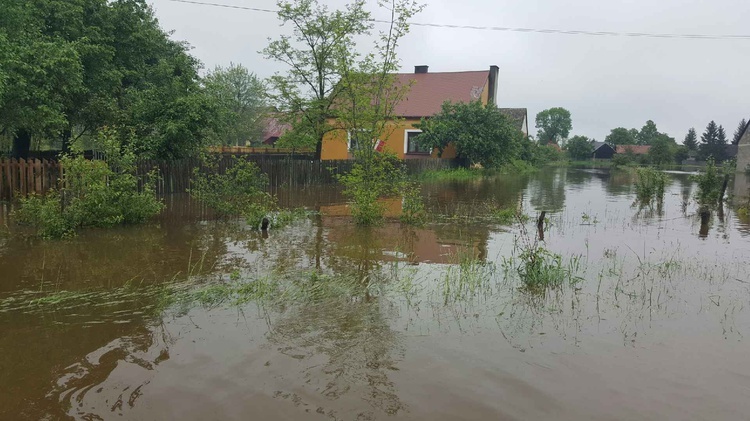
(412,145)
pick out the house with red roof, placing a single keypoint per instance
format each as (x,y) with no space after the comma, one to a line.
(425,98)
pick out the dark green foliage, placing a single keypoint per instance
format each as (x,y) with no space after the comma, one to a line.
(579,148)
(623,159)
(709,183)
(372,178)
(240,191)
(413,211)
(649,185)
(553,125)
(648,134)
(681,153)
(691,140)
(481,135)
(93,194)
(73,66)
(537,155)
(739,132)
(713,143)
(620,136)
(662,150)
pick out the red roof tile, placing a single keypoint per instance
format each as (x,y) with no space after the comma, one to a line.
(636,149)
(429,91)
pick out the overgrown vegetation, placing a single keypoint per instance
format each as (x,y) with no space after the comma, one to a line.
(538,268)
(649,185)
(98,193)
(371,179)
(412,209)
(240,191)
(710,182)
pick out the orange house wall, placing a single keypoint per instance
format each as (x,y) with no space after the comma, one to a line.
(335,142)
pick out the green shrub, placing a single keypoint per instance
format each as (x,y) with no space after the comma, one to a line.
(505,216)
(240,191)
(100,193)
(709,183)
(371,178)
(413,210)
(649,185)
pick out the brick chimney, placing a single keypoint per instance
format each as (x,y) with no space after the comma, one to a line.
(421,69)
(492,85)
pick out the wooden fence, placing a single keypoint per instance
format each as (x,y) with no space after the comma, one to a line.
(22,177)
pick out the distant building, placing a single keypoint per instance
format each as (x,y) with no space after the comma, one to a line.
(273,129)
(743,149)
(602,151)
(519,118)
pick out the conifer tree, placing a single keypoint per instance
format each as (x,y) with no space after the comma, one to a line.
(691,140)
(738,133)
(713,141)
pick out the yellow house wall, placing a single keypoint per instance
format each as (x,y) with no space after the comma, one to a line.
(335,143)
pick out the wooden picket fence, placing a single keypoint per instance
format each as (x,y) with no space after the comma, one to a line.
(23,177)
(19,177)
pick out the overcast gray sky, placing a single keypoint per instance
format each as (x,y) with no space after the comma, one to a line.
(604,81)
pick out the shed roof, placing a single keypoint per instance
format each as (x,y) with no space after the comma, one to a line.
(598,145)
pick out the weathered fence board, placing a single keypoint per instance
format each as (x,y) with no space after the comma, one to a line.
(23,177)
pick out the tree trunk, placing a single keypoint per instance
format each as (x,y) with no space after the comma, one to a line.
(66,135)
(319,149)
(21,144)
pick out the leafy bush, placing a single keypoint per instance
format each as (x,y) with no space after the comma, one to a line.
(649,185)
(371,178)
(709,183)
(240,191)
(413,211)
(624,159)
(100,193)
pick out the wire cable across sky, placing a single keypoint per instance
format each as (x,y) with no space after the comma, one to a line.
(509,29)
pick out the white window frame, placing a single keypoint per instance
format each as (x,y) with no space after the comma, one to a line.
(349,139)
(406,141)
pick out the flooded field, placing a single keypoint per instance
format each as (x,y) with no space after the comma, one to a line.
(191,318)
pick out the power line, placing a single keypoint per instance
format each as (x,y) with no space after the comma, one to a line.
(509,29)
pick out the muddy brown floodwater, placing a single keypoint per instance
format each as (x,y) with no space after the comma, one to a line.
(193,319)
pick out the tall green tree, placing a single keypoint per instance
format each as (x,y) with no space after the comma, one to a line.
(662,151)
(481,135)
(739,132)
(240,95)
(648,134)
(620,136)
(367,96)
(41,73)
(579,148)
(713,142)
(322,44)
(553,125)
(691,140)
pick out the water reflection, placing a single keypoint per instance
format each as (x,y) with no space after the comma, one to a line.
(382,299)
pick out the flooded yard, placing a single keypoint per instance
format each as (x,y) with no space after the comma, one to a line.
(192,318)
